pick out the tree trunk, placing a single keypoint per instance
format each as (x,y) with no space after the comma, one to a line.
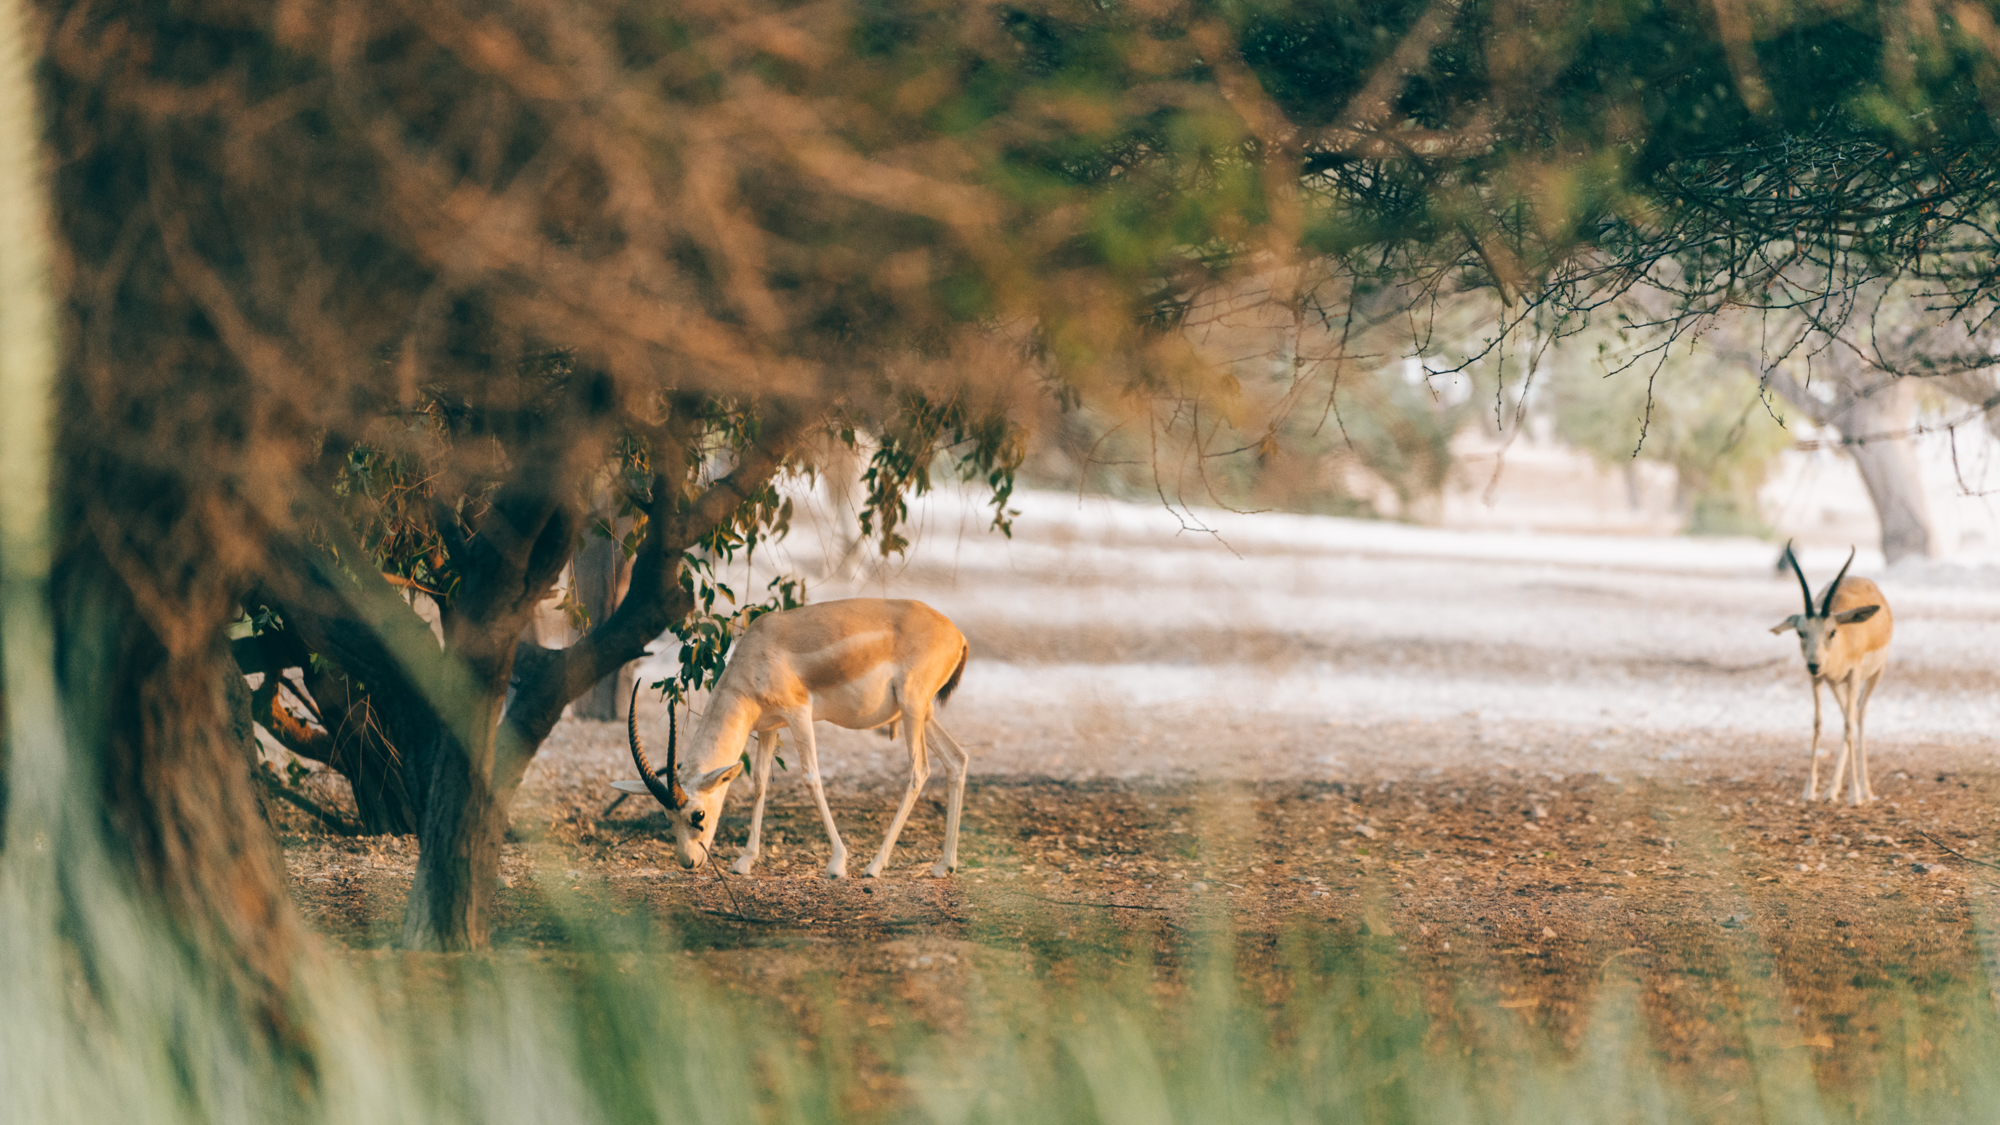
(602,572)
(524,542)
(1876,414)
(462,791)
(153,543)
(1888,465)
(459,833)
(440,709)
(152,719)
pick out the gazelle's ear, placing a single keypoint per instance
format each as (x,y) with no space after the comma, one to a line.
(723,776)
(1851,616)
(1788,625)
(638,787)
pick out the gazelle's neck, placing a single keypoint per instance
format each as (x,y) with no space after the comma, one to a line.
(719,738)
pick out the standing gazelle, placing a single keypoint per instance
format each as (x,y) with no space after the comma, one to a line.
(861,664)
(1846,645)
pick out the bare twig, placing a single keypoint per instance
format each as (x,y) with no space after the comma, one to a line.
(1073,902)
(326,816)
(724,880)
(1956,852)
(734,917)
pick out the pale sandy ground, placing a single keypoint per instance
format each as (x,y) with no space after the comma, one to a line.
(1109,641)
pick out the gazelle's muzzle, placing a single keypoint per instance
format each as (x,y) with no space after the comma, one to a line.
(691,854)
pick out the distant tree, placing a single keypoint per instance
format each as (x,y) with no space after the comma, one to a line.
(1875,414)
(1377,444)
(1672,166)
(1705,418)
(1855,362)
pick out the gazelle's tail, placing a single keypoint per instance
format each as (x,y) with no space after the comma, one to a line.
(951,685)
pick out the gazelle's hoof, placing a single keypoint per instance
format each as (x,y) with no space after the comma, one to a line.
(743,864)
(872,871)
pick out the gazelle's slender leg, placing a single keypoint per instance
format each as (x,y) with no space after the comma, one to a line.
(1853,723)
(920,772)
(767,748)
(1812,775)
(802,737)
(1843,695)
(1860,740)
(1857,710)
(956,760)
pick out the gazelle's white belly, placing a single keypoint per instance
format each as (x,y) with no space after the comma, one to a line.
(862,703)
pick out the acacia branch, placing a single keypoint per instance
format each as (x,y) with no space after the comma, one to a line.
(552,552)
(546,680)
(317,620)
(293,797)
(354,616)
(500,555)
(528,534)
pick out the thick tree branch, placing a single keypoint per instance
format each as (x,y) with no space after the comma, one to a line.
(1788,388)
(293,797)
(512,561)
(354,616)
(553,549)
(498,557)
(316,621)
(546,680)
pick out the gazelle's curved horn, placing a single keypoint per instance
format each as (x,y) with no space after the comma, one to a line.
(1803,587)
(667,792)
(1835,588)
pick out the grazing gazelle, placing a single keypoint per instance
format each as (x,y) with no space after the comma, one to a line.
(861,664)
(1846,645)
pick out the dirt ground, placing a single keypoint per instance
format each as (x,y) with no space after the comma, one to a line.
(1528,780)
(1528,895)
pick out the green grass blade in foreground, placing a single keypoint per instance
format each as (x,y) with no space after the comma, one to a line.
(29,744)
(639,1034)
(504,1039)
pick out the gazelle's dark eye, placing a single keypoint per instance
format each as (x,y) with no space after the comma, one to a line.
(695,818)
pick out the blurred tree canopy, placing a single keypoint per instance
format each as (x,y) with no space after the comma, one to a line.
(436,288)
(1664,162)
